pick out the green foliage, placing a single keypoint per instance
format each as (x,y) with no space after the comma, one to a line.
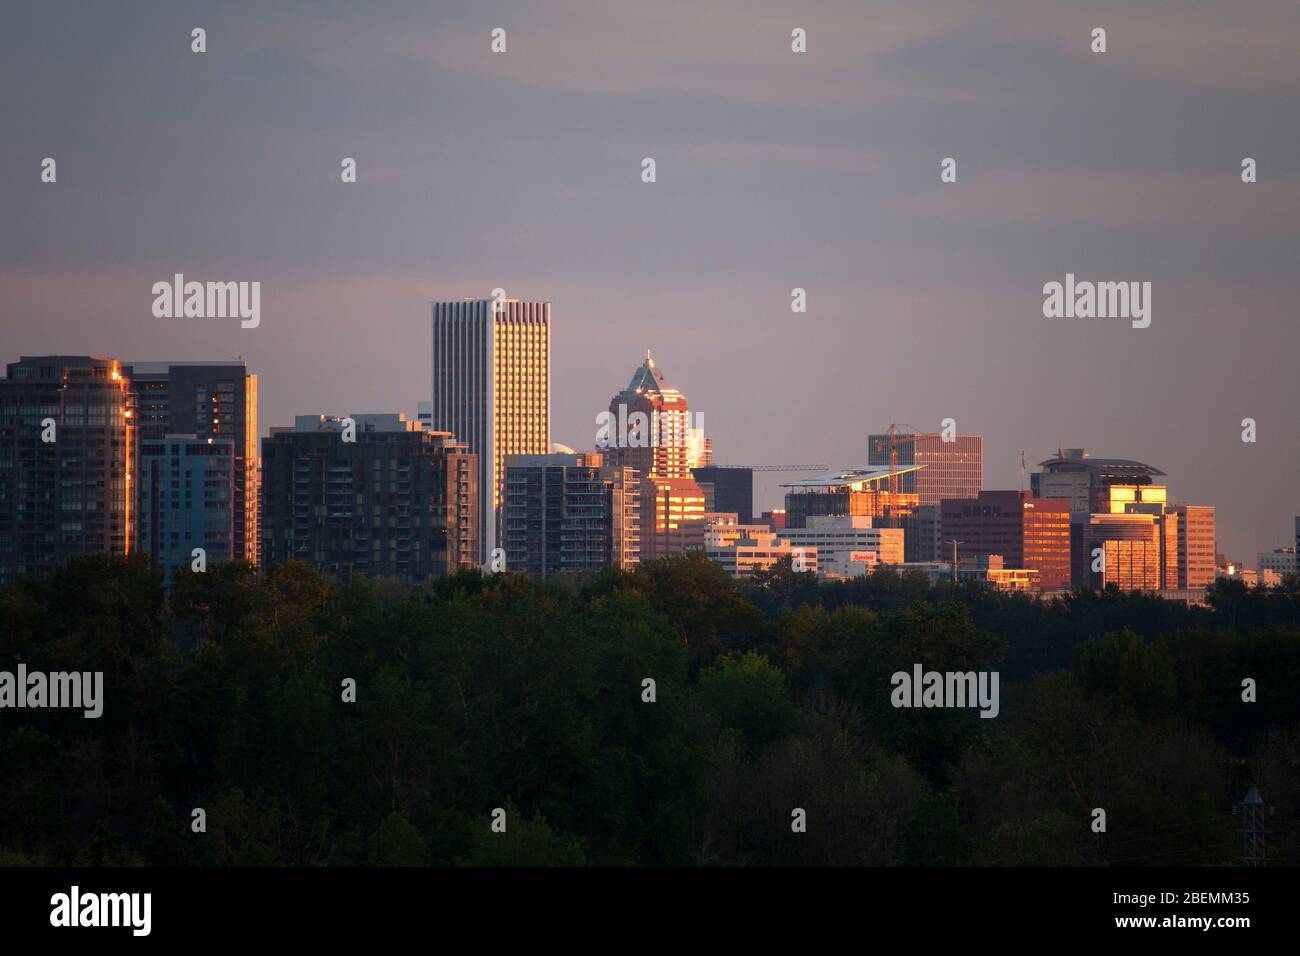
(525,842)
(746,693)
(1123,665)
(476,691)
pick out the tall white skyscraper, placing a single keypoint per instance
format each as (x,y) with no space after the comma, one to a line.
(492,389)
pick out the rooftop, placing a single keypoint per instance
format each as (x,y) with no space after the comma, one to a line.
(853,476)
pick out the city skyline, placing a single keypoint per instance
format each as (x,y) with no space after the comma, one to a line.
(150,374)
(820,173)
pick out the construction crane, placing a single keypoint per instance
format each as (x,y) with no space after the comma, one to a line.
(820,467)
(892,442)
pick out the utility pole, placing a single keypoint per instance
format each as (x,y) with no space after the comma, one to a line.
(954,542)
(1253,852)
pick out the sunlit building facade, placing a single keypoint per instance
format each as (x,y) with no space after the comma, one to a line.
(1092,485)
(946,469)
(855,492)
(1196,542)
(669,507)
(841,541)
(492,390)
(741,552)
(1027,532)
(649,428)
(1123,550)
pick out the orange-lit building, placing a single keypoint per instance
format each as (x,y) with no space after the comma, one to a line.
(1029,533)
(854,492)
(650,429)
(491,389)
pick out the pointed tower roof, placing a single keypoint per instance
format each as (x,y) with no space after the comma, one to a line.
(648,380)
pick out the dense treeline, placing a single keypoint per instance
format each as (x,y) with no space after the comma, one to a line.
(480,692)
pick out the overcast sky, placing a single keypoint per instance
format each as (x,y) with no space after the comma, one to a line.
(820,170)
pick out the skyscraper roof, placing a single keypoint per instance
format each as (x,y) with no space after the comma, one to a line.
(1080,460)
(648,380)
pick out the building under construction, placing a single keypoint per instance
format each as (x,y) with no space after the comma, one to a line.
(857,492)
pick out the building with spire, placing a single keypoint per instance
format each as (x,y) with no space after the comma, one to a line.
(650,428)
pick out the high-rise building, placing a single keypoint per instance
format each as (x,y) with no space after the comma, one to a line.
(1195,544)
(1029,533)
(492,389)
(216,400)
(727,490)
(650,429)
(569,513)
(186,500)
(1091,485)
(945,469)
(67,447)
(397,501)
(1135,548)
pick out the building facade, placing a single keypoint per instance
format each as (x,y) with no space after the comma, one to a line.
(650,429)
(216,400)
(924,534)
(727,490)
(1090,484)
(1196,543)
(397,501)
(492,390)
(670,510)
(67,450)
(1028,532)
(569,513)
(186,501)
(952,469)
(1126,551)
(741,551)
(1281,561)
(841,542)
(855,492)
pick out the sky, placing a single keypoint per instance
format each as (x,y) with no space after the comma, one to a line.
(774,170)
